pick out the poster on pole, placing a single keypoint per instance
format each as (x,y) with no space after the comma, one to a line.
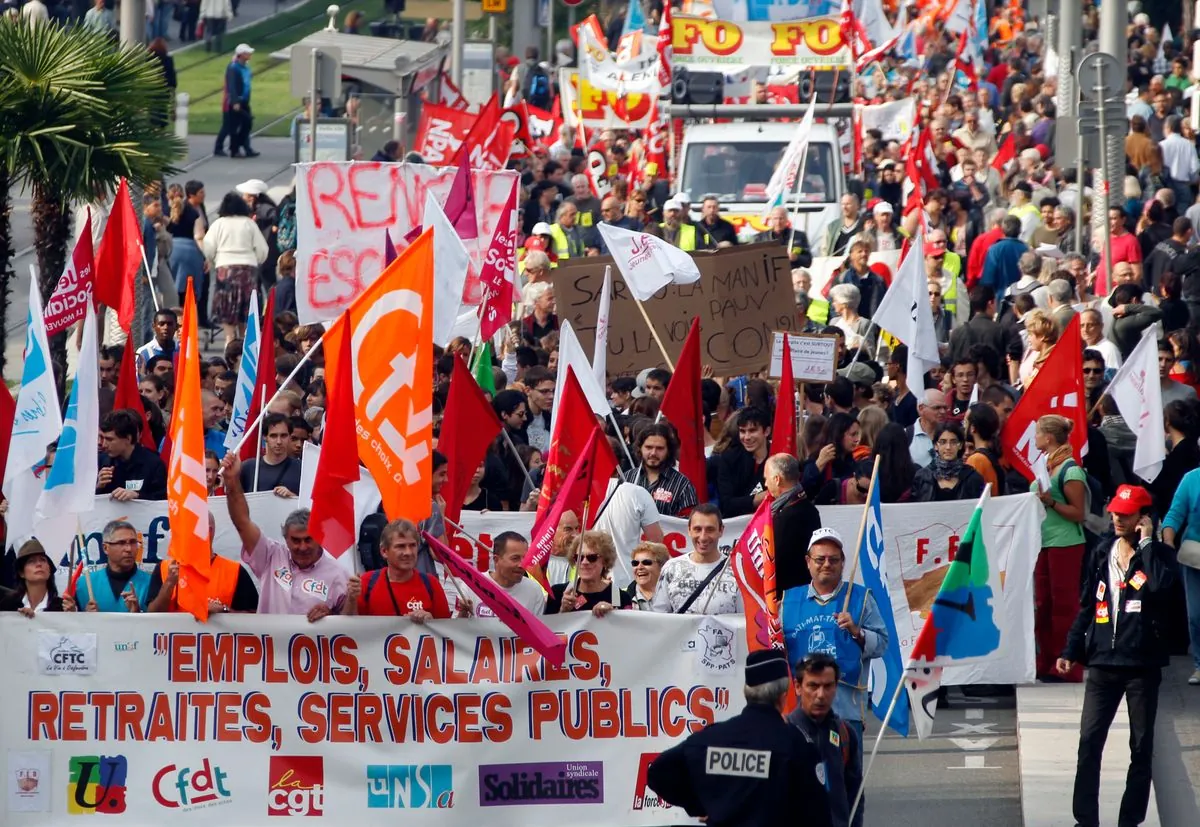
(814,356)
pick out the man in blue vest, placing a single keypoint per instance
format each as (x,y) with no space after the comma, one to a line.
(121,586)
(816,618)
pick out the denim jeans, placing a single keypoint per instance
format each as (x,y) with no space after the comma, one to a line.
(1191,590)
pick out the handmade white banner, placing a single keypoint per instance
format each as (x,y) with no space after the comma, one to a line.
(355,720)
(921,539)
(894,119)
(343,209)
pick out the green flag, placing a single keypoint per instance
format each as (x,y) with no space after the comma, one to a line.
(482,368)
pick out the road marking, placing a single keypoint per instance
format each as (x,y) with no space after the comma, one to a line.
(974,762)
(973,729)
(974,714)
(974,744)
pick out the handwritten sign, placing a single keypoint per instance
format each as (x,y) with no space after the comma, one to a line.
(744,295)
(342,210)
(814,356)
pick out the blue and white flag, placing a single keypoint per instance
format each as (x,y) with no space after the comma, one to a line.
(887,672)
(247,374)
(71,484)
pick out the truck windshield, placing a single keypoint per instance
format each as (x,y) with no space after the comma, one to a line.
(739,172)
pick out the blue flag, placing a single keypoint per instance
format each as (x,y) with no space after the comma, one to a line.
(887,672)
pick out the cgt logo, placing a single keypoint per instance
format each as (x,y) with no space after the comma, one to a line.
(297,786)
(645,798)
(96,784)
(185,789)
(410,786)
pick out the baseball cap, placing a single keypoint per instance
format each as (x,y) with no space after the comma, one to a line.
(936,248)
(1129,500)
(541,228)
(882,207)
(683,197)
(673,204)
(859,374)
(255,186)
(1025,187)
(242,49)
(826,535)
(640,391)
(888,164)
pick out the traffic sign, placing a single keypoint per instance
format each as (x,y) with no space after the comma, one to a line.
(1100,70)
(495,6)
(1089,115)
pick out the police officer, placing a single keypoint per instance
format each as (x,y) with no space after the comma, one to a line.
(754,769)
(1117,633)
(841,767)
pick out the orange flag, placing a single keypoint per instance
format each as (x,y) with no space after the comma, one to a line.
(187,491)
(391,340)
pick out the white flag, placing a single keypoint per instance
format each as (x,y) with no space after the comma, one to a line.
(571,355)
(1160,60)
(450,265)
(247,375)
(906,314)
(1138,393)
(38,420)
(647,263)
(783,179)
(894,119)
(71,484)
(600,351)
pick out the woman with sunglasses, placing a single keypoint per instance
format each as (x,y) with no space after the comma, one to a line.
(647,560)
(592,555)
(947,477)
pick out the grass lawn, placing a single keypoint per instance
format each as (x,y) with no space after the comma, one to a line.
(202,74)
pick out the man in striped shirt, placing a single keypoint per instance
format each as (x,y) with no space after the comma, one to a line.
(672,492)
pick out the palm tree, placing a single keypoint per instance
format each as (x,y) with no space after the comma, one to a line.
(76,116)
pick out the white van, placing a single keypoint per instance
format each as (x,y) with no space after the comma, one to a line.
(734,161)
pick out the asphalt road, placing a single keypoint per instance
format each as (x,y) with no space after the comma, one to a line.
(966,773)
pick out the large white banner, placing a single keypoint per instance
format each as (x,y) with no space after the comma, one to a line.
(921,540)
(247,720)
(343,210)
(893,119)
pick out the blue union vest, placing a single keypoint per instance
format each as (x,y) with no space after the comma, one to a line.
(810,626)
(104,594)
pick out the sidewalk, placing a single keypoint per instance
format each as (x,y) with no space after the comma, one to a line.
(1048,737)
(249,12)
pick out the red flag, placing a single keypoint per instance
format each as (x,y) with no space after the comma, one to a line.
(496,274)
(73,586)
(76,287)
(8,413)
(332,519)
(264,382)
(783,430)
(128,395)
(468,428)
(582,490)
(1057,389)
(573,424)
(663,46)
(1005,154)
(966,66)
(119,257)
(682,407)
(441,132)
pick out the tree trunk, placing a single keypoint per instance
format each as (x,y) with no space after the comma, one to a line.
(6,254)
(52,235)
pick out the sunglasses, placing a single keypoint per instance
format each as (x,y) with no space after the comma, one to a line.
(825,561)
(640,563)
(590,558)
(1093,370)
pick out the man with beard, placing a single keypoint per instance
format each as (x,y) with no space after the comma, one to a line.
(672,492)
(720,232)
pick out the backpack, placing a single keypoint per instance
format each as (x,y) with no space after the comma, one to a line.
(1001,481)
(368,541)
(1093,498)
(537,87)
(285,234)
(426,581)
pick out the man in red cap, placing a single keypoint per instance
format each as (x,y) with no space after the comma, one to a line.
(1118,635)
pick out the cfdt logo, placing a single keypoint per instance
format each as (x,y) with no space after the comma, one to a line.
(96,784)
(410,786)
(185,788)
(296,786)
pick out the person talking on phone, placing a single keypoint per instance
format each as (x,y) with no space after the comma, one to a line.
(121,586)
(1118,635)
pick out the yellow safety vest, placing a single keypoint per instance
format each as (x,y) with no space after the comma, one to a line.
(818,310)
(687,236)
(951,264)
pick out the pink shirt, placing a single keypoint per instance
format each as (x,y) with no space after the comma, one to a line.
(284,589)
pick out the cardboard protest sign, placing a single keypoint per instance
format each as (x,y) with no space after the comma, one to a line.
(744,295)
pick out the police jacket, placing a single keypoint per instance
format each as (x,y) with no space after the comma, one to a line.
(841,767)
(1126,628)
(754,770)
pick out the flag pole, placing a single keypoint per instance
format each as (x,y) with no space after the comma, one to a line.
(479,543)
(900,686)
(252,426)
(149,276)
(513,448)
(87,574)
(862,530)
(258,457)
(653,332)
(621,437)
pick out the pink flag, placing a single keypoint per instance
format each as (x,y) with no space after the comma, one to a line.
(69,301)
(460,203)
(524,623)
(389,249)
(496,274)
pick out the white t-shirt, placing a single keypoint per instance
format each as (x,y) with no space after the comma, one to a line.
(629,512)
(681,576)
(527,592)
(557,569)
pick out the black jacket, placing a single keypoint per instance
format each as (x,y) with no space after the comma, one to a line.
(737,478)
(1127,330)
(794,521)
(1137,638)
(980,330)
(143,472)
(797,245)
(970,486)
(1182,458)
(838,745)
(780,788)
